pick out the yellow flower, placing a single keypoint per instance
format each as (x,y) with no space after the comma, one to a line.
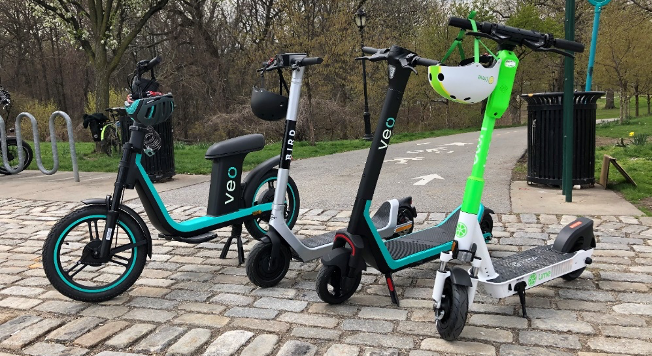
(631,134)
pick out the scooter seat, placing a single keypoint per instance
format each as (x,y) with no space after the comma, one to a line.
(235,146)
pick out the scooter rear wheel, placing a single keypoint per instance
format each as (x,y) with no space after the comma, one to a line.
(264,193)
(453,311)
(258,266)
(579,244)
(329,285)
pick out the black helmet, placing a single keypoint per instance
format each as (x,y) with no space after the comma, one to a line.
(152,110)
(267,105)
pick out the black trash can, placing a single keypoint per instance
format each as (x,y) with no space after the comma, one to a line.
(159,166)
(545,137)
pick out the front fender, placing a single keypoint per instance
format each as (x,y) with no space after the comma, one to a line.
(129,211)
(460,277)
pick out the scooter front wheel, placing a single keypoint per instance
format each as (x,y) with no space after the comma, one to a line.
(264,271)
(70,262)
(451,316)
(262,192)
(331,288)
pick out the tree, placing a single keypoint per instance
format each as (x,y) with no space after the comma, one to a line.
(98,27)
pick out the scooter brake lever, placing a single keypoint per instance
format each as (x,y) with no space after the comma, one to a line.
(555,50)
(405,64)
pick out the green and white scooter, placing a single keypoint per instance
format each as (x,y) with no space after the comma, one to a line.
(455,288)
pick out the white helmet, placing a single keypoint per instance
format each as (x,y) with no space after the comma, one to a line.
(466,84)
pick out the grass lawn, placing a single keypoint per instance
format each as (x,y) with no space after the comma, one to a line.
(636,160)
(615,113)
(189,159)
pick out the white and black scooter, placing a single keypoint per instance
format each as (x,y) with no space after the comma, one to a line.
(269,260)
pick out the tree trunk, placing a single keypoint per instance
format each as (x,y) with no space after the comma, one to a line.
(101,86)
(610,100)
(648,104)
(636,98)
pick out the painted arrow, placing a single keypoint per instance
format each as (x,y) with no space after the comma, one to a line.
(425,179)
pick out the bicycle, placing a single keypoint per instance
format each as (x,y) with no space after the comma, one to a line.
(12,147)
(110,136)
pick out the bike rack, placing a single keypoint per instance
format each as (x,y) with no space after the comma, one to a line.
(37,145)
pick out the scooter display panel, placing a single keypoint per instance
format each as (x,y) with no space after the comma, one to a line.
(526,262)
(423,240)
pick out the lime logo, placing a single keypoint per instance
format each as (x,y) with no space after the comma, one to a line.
(510,64)
(461,230)
(532,279)
(491,80)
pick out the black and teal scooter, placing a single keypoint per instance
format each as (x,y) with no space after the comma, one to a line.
(98,251)
(361,244)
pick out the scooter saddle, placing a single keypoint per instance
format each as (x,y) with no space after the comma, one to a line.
(235,146)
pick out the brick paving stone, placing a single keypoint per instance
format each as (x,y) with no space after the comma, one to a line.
(623,286)
(156,316)
(213,321)
(458,347)
(423,353)
(232,299)
(614,345)
(275,292)
(154,303)
(149,292)
(228,343)
(417,328)
(9,327)
(613,319)
(379,352)
(232,288)
(159,340)
(190,342)
(383,313)
(256,313)
(46,348)
(188,296)
(626,332)
(262,345)
(516,350)
(341,309)
(492,335)
(633,308)
(315,333)
(498,321)
(105,311)
(127,337)
(386,340)
(281,304)
(548,339)
(265,325)
(563,326)
(74,329)
(297,348)
(203,308)
(61,307)
(342,350)
(23,291)
(29,333)
(310,320)
(100,334)
(374,326)
(19,303)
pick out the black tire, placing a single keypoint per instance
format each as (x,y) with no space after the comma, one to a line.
(12,155)
(578,245)
(262,191)
(258,268)
(110,143)
(487,224)
(329,285)
(77,231)
(455,306)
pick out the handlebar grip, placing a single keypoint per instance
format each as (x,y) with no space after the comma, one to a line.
(153,63)
(369,50)
(308,61)
(568,45)
(459,22)
(427,62)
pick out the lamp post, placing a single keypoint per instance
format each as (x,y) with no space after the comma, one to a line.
(361,21)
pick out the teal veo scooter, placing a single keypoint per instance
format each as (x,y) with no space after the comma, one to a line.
(98,251)
(361,244)
(454,288)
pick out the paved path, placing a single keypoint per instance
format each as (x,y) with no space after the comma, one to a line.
(331,182)
(189,302)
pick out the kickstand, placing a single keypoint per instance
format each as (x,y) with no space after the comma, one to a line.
(392,291)
(236,233)
(520,289)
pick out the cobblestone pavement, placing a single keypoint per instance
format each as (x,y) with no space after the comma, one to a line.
(190,302)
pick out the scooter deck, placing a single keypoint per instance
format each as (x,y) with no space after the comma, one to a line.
(526,262)
(319,240)
(423,240)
